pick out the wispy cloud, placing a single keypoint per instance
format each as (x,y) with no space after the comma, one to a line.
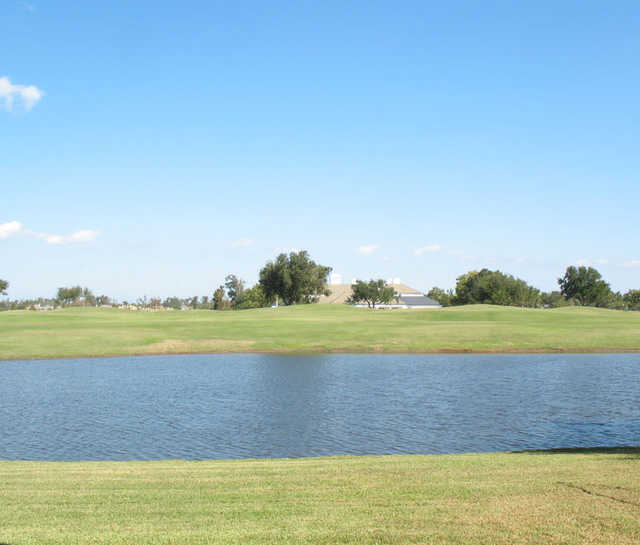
(427,249)
(284,250)
(86,235)
(367,249)
(455,252)
(633,263)
(241,243)
(31,8)
(28,94)
(9,228)
(586,262)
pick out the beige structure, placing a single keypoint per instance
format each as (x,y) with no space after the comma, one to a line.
(341,292)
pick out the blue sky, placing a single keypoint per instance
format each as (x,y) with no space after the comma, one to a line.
(152,148)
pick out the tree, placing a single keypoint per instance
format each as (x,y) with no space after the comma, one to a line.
(103,300)
(235,290)
(294,279)
(254,297)
(3,287)
(554,299)
(443,297)
(66,296)
(220,302)
(372,292)
(585,286)
(494,288)
(89,298)
(632,299)
(172,302)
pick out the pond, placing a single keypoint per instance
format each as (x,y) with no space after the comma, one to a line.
(257,405)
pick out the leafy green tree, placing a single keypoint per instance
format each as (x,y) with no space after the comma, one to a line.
(443,297)
(616,301)
(3,287)
(294,279)
(67,296)
(172,302)
(632,299)
(89,298)
(254,297)
(494,288)
(220,301)
(373,292)
(103,300)
(554,299)
(585,286)
(235,290)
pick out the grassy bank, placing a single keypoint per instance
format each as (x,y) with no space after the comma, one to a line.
(590,496)
(319,328)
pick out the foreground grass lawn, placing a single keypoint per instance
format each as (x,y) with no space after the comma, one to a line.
(581,496)
(316,328)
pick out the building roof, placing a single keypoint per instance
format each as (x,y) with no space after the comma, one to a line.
(418,301)
(341,292)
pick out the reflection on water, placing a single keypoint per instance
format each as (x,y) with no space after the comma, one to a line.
(239,406)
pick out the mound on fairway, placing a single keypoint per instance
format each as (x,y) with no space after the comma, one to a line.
(315,328)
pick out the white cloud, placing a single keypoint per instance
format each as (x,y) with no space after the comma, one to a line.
(368,249)
(584,262)
(280,250)
(241,243)
(29,94)
(14,227)
(632,263)
(86,235)
(9,229)
(425,249)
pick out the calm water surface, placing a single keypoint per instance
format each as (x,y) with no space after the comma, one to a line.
(239,406)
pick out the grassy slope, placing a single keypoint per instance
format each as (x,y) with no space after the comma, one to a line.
(544,497)
(84,332)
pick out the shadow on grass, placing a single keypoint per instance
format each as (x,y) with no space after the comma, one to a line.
(633,452)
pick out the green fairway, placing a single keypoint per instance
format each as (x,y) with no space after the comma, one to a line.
(315,328)
(590,496)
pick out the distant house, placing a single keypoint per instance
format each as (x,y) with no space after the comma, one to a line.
(407,297)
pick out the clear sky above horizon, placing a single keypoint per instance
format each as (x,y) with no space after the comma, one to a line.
(152,148)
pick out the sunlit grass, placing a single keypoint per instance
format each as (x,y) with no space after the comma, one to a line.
(539,497)
(317,328)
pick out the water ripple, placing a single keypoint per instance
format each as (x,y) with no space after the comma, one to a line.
(239,406)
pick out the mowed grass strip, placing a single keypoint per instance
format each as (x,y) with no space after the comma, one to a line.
(581,496)
(315,328)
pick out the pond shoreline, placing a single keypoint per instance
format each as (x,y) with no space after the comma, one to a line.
(440,352)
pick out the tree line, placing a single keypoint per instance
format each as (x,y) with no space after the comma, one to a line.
(289,279)
(295,278)
(582,286)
